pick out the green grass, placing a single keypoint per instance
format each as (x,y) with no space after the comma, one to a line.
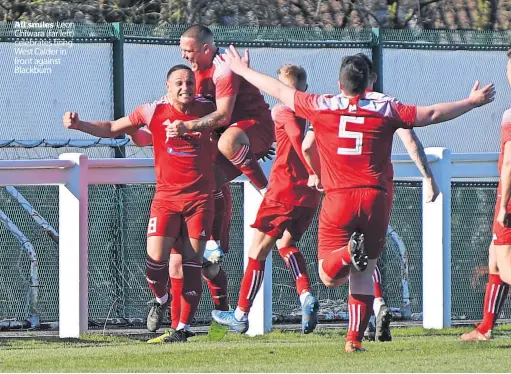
(413,350)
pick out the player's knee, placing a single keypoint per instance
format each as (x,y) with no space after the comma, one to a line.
(331,282)
(210,270)
(231,140)
(286,241)
(175,270)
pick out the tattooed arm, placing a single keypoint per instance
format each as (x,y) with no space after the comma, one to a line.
(416,151)
(220,117)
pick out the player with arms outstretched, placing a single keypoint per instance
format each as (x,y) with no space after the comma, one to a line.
(380,330)
(182,207)
(499,259)
(354,135)
(286,212)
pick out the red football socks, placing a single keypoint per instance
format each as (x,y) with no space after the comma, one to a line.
(192,291)
(494,298)
(295,261)
(250,284)
(176,289)
(246,162)
(359,311)
(377,281)
(157,275)
(337,264)
(218,289)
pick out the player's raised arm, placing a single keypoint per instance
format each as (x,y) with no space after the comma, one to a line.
(142,137)
(267,84)
(101,129)
(416,151)
(428,115)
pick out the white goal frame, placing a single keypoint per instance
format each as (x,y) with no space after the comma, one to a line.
(74,172)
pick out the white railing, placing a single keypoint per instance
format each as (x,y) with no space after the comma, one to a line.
(74,172)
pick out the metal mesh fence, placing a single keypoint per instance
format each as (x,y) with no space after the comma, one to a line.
(84,82)
(473,206)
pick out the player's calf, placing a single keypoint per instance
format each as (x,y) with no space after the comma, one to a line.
(157,279)
(295,261)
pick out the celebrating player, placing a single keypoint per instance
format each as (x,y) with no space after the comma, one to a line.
(285,214)
(354,134)
(183,203)
(499,259)
(381,331)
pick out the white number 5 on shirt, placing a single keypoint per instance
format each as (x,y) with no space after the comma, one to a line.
(357,150)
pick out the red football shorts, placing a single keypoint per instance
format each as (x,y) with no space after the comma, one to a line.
(501,235)
(261,136)
(186,218)
(344,211)
(273,218)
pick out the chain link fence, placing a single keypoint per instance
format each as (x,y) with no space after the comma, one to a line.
(110,69)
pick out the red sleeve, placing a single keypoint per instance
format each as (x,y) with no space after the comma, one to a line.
(506,127)
(306,105)
(403,116)
(284,117)
(226,82)
(142,115)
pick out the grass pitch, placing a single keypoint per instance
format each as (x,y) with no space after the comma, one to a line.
(413,350)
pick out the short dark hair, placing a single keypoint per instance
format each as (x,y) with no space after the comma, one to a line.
(198,32)
(353,75)
(367,60)
(176,68)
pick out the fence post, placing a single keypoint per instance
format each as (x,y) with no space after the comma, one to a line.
(118,80)
(73,256)
(436,245)
(377,57)
(260,317)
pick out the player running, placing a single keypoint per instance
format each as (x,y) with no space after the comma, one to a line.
(380,328)
(182,207)
(354,132)
(499,259)
(286,212)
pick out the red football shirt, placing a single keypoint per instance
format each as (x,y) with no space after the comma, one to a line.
(290,173)
(183,164)
(354,136)
(219,82)
(504,138)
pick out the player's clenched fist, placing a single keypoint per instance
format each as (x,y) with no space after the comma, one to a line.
(71,120)
(176,128)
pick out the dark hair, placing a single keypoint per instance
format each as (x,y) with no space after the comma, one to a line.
(176,68)
(367,60)
(508,53)
(198,32)
(353,75)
